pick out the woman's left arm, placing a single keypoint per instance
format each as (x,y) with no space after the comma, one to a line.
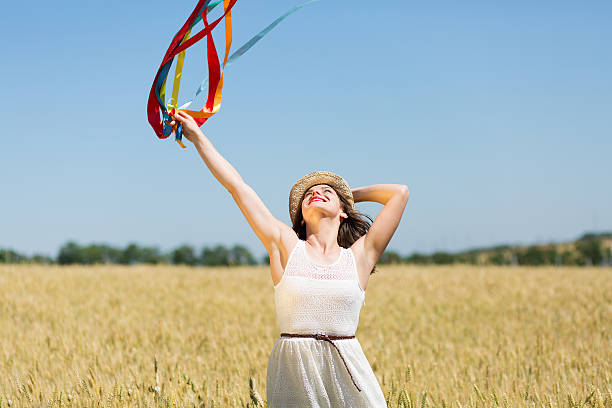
(394,198)
(380,193)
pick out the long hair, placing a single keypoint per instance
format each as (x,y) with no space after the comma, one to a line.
(351,228)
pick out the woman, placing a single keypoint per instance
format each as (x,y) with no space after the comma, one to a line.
(320,270)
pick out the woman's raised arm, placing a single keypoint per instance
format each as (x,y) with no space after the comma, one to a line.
(218,166)
(264,224)
(394,198)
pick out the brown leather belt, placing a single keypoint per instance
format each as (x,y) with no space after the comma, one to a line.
(325,337)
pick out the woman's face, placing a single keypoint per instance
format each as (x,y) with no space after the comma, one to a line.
(321,197)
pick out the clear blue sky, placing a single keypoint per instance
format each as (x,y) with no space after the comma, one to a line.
(497,115)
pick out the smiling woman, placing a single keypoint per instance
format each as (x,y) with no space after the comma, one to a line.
(319,297)
(320,269)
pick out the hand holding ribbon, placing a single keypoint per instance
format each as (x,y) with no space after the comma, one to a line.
(190,128)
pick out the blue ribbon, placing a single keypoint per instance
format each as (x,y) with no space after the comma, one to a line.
(246,46)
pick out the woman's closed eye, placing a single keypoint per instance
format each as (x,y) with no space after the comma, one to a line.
(310,192)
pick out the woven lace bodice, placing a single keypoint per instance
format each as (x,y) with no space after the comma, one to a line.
(318,298)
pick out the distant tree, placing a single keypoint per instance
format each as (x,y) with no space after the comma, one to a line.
(133,254)
(130,255)
(571,258)
(184,255)
(152,255)
(591,250)
(70,253)
(467,257)
(498,258)
(42,259)
(442,258)
(607,257)
(550,256)
(417,258)
(390,257)
(10,256)
(217,256)
(100,254)
(532,256)
(240,255)
(94,254)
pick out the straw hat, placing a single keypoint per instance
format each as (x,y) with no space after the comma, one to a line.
(312,179)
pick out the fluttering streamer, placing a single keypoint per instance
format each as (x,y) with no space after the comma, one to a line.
(159,111)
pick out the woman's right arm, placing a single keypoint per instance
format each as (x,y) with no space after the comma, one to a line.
(267,228)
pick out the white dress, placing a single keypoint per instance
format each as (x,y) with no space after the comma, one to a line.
(307,372)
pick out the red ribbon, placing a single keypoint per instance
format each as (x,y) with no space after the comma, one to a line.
(153,107)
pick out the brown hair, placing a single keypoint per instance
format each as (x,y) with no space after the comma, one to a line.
(351,228)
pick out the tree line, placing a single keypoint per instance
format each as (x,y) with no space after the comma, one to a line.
(590,249)
(73,253)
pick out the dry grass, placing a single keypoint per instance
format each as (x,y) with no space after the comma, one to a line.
(435,336)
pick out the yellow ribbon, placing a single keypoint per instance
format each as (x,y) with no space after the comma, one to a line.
(228,43)
(177,74)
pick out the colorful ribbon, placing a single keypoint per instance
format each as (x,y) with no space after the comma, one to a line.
(156,105)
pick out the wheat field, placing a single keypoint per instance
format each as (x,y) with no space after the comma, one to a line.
(172,336)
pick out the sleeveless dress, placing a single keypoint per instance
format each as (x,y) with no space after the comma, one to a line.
(307,372)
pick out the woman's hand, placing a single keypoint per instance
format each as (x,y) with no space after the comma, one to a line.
(191,130)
